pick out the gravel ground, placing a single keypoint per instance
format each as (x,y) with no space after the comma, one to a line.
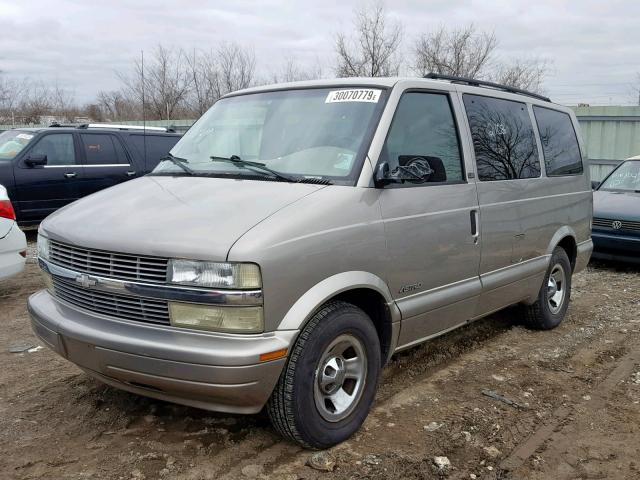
(575,411)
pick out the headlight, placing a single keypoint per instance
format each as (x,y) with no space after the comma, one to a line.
(214,274)
(43,247)
(215,318)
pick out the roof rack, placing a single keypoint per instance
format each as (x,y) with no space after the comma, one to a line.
(123,127)
(170,129)
(483,83)
(64,125)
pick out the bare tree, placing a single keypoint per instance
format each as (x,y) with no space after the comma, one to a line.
(35,102)
(527,74)
(204,80)
(462,52)
(93,112)
(119,105)
(466,52)
(165,82)
(236,68)
(215,73)
(292,71)
(374,50)
(11,91)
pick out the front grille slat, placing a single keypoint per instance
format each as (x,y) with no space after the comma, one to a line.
(140,309)
(118,266)
(607,223)
(109,264)
(106,302)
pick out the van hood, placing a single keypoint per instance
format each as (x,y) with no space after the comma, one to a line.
(616,205)
(187,217)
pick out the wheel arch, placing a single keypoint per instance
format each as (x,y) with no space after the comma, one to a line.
(362,289)
(565,237)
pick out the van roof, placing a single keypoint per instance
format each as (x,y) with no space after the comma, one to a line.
(388,82)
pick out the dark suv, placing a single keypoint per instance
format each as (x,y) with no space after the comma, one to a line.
(44,169)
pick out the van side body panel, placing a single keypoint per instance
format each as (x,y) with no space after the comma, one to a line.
(523,220)
(292,247)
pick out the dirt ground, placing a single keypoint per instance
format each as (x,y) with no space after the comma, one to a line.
(576,413)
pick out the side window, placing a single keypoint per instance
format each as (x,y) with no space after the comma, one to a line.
(503,138)
(424,133)
(158,146)
(99,149)
(58,148)
(121,154)
(559,142)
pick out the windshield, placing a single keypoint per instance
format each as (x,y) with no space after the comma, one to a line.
(309,133)
(12,142)
(625,178)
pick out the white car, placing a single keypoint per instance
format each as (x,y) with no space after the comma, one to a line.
(13,244)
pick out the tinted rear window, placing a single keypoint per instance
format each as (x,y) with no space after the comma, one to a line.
(559,142)
(503,138)
(157,146)
(102,149)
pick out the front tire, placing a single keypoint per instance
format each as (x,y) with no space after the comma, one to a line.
(329,382)
(553,300)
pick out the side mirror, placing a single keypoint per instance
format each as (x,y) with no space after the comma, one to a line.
(594,184)
(36,161)
(418,171)
(383,176)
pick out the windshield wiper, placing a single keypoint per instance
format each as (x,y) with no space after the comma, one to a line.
(179,162)
(254,166)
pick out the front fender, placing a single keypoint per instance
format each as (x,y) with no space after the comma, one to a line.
(313,298)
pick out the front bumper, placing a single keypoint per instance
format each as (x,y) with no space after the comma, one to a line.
(219,372)
(617,246)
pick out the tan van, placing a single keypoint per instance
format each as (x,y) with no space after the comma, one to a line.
(300,234)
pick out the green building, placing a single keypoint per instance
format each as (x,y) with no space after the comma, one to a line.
(611,134)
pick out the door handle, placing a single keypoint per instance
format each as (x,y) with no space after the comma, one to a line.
(131,173)
(475,231)
(70,175)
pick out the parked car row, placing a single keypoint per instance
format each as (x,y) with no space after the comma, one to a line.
(44,169)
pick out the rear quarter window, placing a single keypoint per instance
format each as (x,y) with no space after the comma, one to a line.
(559,142)
(503,138)
(157,146)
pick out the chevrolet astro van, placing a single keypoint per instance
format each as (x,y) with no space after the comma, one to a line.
(300,234)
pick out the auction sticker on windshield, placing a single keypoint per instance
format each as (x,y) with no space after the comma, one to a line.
(353,95)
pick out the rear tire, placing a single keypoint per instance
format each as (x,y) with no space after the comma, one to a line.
(329,382)
(553,300)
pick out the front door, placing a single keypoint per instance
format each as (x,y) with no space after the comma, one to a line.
(43,189)
(431,227)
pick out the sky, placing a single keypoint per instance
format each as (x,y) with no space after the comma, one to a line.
(593,46)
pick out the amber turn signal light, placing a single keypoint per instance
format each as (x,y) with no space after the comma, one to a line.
(265,357)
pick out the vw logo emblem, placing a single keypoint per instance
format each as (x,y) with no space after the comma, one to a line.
(86,280)
(617,224)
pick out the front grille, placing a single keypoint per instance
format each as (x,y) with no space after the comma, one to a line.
(108,264)
(608,224)
(139,309)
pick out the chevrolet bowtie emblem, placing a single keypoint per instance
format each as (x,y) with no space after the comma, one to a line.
(86,280)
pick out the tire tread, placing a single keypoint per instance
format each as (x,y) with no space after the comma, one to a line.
(280,406)
(535,316)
